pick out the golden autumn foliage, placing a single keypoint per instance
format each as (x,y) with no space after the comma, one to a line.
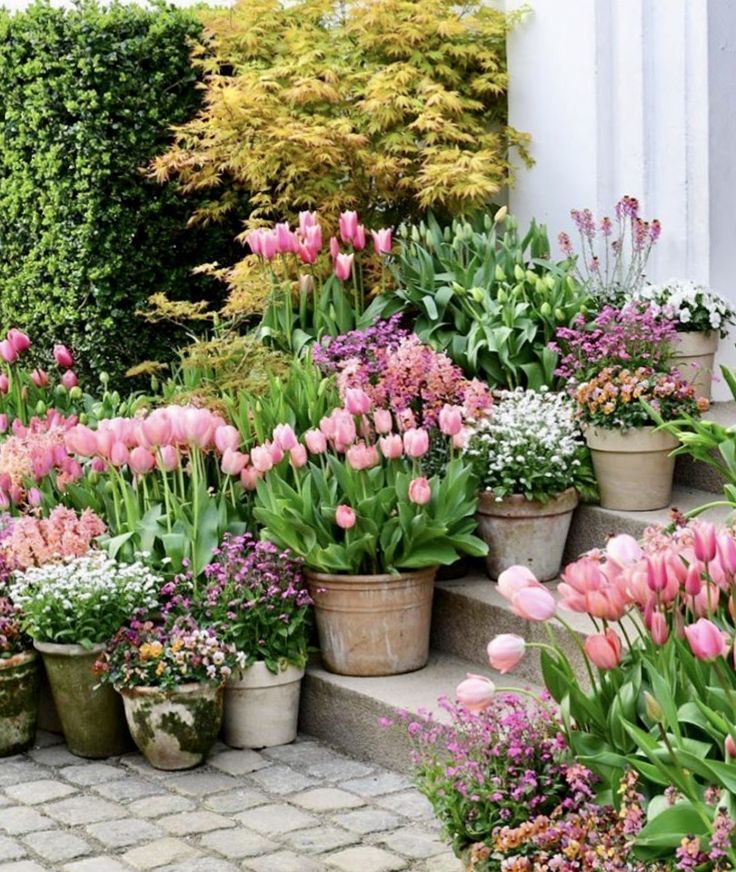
(390,107)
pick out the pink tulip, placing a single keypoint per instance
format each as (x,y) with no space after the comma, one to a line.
(255,241)
(730,746)
(513,579)
(623,549)
(3,423)
(232,462)
(249,478)
(298,456)
(4,501)
(81,440)
(225,437)
(168,458)
(156,429)
(362,456)
(327,426)
(420,492)
(7,352)
(359,238)
(658,628)
(105,441)
(345,517)
(306,220)
(357,401)
(693,582)
(416,442)
(261,458)
(534,603)
(345,431)
(392,447)
(348,223)
(141,460)
(16,494)
(382,241)
(604,649)
(19,340)
(505,652)
(119,454)
(727,552)
(382,421)
(40,378)
(69,379)
(313,237)
(316,441)
(705,639)
(284,437)
(656,572)
(285,238)
(34,497)
(704,540)
(4,383)
(334,247)
(98,464)
(343,267)
(63,357)
(306,253)
(277,452)
(475,693)
(451,420)
(407,419)
(269,244)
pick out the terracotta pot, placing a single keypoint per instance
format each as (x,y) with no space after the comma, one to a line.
(262,709)
(19,686)
(91,713)
(174,729)
(373,624)
(633,467)
(522,532)
(693,355)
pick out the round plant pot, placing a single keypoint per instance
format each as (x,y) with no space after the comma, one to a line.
(693,355)
(373,624)
(174,729)
(633,467)
(91,713)
(20,678)
(262,709)
(522,532)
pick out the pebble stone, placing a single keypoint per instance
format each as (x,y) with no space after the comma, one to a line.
(299,808)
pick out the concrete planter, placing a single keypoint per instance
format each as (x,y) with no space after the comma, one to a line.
(19,687)
(174,729)
(91,714)
(693,355)
(262,709)
(633,467)
(373,624)
(522,532)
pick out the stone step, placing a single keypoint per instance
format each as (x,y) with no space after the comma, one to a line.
(345,711)
(696,474)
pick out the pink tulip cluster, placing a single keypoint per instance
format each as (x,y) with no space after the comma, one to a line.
(16,343)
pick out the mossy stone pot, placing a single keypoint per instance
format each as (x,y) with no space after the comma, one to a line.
(91,714)
(174,729)
(373,624)
(20,681)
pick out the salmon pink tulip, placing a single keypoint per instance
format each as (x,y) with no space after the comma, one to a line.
(34,497)
(727,552)
(623,549)
(345,517)
(261,458)
(344,429)
(513,579)
(298,456)
(420,492)
(168,458)
(359,238)
(4,383)
(730,746)
(307,219)
(276,451)
(141,461)
(604,649)
(416,442)
(232,462)
(693,582)
(40,378)
(7,352)
(475,693)
(316,441)
(357,401)
(81,440)
(451,420)
(63,357)
(705,639)
(249,478)
(658,628)
(334,247)
(119,454)
(343,266)
(284,437)
(505,652)
(382,421)
(156,429)
(392,447)
(362,456)
(534,603)
(227,436)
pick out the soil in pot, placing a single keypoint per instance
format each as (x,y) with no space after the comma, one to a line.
(19,691)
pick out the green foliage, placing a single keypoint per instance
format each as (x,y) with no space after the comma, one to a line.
(489,298)
(88,95)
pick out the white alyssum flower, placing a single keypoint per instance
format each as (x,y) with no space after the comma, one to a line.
(694,306)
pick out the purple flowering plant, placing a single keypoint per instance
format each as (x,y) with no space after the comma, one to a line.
(12,638)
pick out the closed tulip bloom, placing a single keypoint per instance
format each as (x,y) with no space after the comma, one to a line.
(392,447)
(40,378)
(307,219)
(727,552)
(63,357)
(7,352)
(357,401)
(359,238)
(623,549)
(105,441)
(693,581)
(227,436)
(277,452)
(513,579)
(659,629)
(420,492)
(34,497)
(344,430)
(307,254)
(382,421)
(3,423)
(416,442)
(198,427)
(382,241)
(269,244)
(313,237)
(534,603)
(69,379)
(156,428)
(141,461)
(168,458)
(249,478)
(261,458)
(19,340)
(298,456)
(451,420)
(345,517)
(362,456)
(730,746)
(656,572)
(81,440)
(119,454)
(705,639)
(98,464)
(232,462)
(4,500)
(348,223)
(475,693)
(505,652)
(704,541)
(316,441)
(284,437)
(4,383)
(344,266)
(604,649)
(334,247)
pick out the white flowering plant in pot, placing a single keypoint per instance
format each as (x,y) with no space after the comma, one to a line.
(693,307)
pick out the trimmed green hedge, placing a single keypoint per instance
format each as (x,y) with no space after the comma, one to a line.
(87,98)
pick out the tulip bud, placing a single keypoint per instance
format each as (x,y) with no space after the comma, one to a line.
(500,274)
(75,393)
(519,273)
(559,315)
(41,408)
(501,296)
(730,746)
(501,214)
(653,708)
(545,309)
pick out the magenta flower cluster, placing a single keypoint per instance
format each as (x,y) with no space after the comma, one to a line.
(367,347)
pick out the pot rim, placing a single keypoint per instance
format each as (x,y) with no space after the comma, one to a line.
(564,501)
(20,659)
(191,688)
(379,578)
(67,649)
(258,675)
(617,439)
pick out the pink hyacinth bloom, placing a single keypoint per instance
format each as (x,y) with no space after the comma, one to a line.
(416,442)
(343,266)
(284,437)
(382,421)
(348,223)
(249,478)
(40,378)
(63,357)
(420,492)
(534,603)
(141,461)
(704,541)
(298,456)
(69,379)
(225,437)
(316,441)
(451,420)
(357,401)
(475,693)
(19,340)
(505,652)
(392,447)
(513,579)
(705,639)
(604,649)
(362,456)
(345,517)
(261,458)
(382,241)
(7,352)
(232,462)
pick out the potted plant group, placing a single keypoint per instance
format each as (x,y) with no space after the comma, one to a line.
(701,317)
(19,682)
(371,530)
(70,609)
(531,463)
(257,600)
(170,675)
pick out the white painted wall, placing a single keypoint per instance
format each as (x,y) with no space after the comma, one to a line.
(633,97)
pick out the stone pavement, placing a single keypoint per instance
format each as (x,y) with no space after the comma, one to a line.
(297,808)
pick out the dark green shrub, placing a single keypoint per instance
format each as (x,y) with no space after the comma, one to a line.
(87,98)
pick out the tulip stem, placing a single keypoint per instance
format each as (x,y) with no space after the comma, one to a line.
(581,648)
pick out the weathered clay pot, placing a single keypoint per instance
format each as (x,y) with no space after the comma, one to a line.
(91,713)
(693,355)
(19,686)
(262,709)
(633,467)
(522,532)
(373,624)
(174,729)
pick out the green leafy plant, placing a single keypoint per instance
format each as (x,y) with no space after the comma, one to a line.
(488,297)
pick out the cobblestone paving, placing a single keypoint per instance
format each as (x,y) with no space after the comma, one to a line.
(297,808)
